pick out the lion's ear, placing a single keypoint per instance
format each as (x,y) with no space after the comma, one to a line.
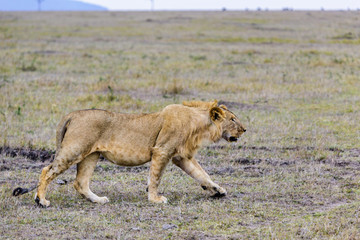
(217,114)
(223,106)
(214,103)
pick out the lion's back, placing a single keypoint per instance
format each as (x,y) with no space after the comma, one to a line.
(180,115)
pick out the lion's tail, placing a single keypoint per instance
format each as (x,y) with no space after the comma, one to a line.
(20,191)
(61,131)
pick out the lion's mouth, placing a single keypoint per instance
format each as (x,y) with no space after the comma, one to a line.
(229,138)
(233,139)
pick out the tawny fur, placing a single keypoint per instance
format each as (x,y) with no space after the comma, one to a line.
(175,133)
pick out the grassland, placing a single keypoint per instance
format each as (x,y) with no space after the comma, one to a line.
(291,77)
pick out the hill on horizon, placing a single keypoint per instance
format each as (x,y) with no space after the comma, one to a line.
(49,5)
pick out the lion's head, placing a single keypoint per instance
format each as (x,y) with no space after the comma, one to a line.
(232,128)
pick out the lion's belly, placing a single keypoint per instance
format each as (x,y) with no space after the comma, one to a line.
(126,156)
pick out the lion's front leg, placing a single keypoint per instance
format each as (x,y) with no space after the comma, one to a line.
(193,168)
(158,163)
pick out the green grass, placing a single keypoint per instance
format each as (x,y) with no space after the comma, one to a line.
(291,77)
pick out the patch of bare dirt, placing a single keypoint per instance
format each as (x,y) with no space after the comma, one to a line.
(352,152)
(48,52)
(32,154)
(224,171)
(273,162)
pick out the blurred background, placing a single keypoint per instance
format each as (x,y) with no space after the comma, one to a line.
(141,5)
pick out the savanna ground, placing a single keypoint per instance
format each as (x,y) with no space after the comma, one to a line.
(291,77)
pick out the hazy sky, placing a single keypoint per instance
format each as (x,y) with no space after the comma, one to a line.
(228,4)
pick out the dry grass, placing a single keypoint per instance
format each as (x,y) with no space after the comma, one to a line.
(292,77)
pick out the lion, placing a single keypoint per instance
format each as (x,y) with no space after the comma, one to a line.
(173,134)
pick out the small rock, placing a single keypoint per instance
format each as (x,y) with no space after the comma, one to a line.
(238,194)
(168,226)
(4,168)
(61,182)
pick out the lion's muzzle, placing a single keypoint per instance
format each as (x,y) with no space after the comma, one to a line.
(233,139)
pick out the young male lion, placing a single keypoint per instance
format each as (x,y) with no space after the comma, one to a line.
(175,133)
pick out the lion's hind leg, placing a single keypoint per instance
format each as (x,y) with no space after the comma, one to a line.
(65,158)
(85,169)
(49,173)
(45,179)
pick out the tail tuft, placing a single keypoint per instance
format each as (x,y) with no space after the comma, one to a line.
(20,191)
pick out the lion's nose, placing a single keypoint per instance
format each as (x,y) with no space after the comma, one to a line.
(244,130)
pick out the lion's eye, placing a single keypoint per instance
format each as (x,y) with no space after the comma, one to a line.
(233,119)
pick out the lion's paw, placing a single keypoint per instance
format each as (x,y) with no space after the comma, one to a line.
(41,202)
(158,199)
(219,192)
(102,200)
